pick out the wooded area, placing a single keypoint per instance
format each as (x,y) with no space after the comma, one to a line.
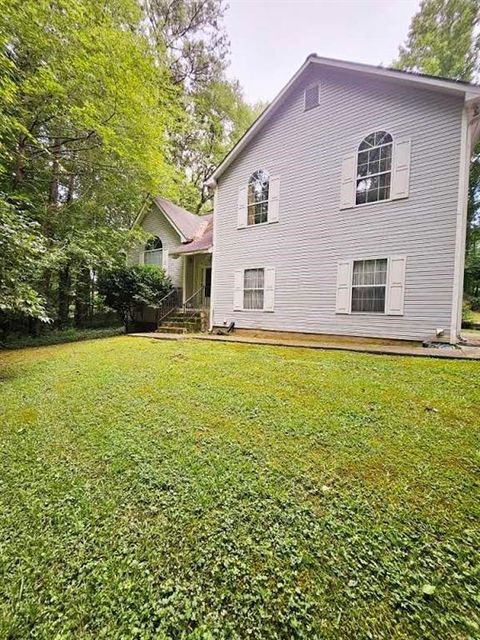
(104,103)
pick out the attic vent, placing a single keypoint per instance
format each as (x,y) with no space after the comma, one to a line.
(312,96)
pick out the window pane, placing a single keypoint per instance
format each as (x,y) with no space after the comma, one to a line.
(153,257)
(253,299)
(368,272)
(374,164)
(368,299)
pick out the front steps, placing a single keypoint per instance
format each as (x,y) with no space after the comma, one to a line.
(182,323)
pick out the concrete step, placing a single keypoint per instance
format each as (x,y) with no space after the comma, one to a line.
(180,317)
(170,329)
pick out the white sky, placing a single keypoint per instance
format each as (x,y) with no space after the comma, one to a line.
(270,39)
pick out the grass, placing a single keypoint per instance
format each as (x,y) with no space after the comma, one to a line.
(154,489)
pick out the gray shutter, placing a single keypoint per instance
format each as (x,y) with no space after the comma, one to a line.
(242,207)
(273,198)
(269,289)
(401,169)
(347,188)
(344,287)
(395,285)
(238,290)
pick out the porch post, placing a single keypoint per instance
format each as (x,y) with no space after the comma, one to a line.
(184,279)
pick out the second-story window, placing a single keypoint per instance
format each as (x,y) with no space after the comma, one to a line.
(374,168)
(257,205)
(153,253)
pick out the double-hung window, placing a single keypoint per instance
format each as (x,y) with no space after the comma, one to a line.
(369,286)
(153,252)
(253,288)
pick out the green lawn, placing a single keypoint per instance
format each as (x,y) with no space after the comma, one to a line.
(204,490)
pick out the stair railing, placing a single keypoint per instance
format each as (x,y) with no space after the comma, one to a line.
(194,303)
(168,304)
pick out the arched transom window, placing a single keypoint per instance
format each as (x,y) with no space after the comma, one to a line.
(153,251)
(374,168)
(257,206)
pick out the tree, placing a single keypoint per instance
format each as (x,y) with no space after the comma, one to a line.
(22,252)
(215,113)
(127,288)
(86,108)
(444,40)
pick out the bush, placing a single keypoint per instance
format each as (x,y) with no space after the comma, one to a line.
(127,288)
(467,316)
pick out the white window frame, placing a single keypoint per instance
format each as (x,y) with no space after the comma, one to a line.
(365,286)
(373,175)
(262,308)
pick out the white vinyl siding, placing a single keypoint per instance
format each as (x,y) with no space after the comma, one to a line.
(314,235)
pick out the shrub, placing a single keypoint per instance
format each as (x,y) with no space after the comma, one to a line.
(127,288)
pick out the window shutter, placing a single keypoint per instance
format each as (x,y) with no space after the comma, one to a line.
(347,189)
(141,257)
(395,286)
(273,198)
(165,260)
(344,287)
(238,290)
(401,169)
(269,289)
(242,207)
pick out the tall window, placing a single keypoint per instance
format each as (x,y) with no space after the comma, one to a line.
(253,288)
(369,285)
(374,168)
(153,252)
(257,208)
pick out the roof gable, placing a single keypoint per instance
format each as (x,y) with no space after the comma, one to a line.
(186,224)
(464,89)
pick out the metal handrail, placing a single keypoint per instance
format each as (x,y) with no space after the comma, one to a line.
(198,298)
(167,305)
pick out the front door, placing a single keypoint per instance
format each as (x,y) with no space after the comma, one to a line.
(207,283)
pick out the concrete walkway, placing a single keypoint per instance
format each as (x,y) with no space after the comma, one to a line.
(360,346)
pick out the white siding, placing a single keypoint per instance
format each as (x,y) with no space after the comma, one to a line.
(313,234)
(156,223)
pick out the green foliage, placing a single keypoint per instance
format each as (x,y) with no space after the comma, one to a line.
(157,489)
(60,337)
(22,252)
(126,288)
(442,40)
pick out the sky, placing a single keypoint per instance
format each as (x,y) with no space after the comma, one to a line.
(270,39)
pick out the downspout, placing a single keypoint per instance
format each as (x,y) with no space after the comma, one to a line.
(469,119)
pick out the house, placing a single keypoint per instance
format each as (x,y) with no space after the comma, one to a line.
(181,243)
(342,210)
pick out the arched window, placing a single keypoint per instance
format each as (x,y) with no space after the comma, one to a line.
(153,251)
(257,207)
(374,168)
